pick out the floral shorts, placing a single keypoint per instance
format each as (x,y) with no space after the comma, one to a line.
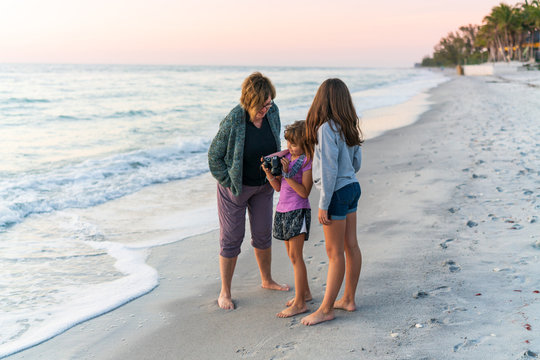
(292,223)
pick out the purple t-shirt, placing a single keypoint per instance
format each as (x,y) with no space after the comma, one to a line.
(289,199)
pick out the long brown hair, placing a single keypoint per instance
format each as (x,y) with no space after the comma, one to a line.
(256,89)
(333,101)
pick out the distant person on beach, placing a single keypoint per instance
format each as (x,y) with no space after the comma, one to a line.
(334,136)
(250,131)
(293,212)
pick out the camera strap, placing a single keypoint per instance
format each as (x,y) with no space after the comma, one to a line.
(294,169)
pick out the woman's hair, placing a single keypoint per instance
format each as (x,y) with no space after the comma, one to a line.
(256,89)
(295,133)
(333,101)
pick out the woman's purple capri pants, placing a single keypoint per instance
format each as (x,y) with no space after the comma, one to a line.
(232,218)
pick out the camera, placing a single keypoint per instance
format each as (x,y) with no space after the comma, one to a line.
(273,163)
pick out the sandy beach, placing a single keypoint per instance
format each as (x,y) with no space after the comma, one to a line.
(448,225)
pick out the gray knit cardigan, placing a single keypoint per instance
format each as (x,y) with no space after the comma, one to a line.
(226,152)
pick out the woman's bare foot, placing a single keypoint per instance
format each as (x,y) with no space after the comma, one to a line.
(308,297)
(225,302)
(318,317)
(292,310)
(345,305)
(272,285)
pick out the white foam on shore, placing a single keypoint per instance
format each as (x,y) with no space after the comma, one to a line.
(88,301)
(124,230)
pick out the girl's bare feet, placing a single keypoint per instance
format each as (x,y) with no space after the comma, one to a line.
(225,302)
(293,310)
(308,297)
(318,317)
(345,305)
(272,285)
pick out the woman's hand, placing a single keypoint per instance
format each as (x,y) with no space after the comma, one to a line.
(285,164)
(323,217)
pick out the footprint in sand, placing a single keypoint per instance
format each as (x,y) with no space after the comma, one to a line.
(471,223)
(287,346)
(469,343)
(420,294)
(493,217)
(281,350)
(452,266)
(440,290)
(530,355)
(294,321)
(466,344)
(444,244)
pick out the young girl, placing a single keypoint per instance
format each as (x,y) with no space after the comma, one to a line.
(293,213)
(334,136)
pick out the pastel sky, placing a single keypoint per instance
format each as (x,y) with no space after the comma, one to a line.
(231,32)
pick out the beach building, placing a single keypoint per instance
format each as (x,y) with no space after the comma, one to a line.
(532,43)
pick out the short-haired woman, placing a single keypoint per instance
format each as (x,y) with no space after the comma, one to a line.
(250,131)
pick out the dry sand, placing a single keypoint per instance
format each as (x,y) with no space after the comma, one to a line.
(448,224)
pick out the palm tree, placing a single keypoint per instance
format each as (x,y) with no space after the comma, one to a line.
(503,35)
(503,23)
(485,40)
(490,34)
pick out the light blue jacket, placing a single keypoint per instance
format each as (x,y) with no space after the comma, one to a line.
(335,164)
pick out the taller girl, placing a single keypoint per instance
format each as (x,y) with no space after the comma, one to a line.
(333,135)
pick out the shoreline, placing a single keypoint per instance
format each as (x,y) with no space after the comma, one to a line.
(164,220)
(417,292)
(410,111)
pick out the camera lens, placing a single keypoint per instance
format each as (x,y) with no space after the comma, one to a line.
(276,166)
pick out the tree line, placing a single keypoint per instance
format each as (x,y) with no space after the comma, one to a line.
(506,34)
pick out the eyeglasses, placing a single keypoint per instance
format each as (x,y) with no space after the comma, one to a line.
(267,106)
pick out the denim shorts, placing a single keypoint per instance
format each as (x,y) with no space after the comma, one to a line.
(344,201)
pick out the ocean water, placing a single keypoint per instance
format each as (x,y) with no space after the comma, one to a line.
(77,142)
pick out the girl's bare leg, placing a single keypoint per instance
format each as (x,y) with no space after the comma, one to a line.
(307,296)
(334,235)
(353,265)
(264,260)
(295,248)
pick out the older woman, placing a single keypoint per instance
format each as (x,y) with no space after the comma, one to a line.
(248,132)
